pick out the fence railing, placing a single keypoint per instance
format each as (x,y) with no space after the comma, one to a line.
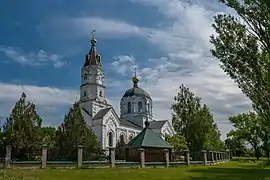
(209,158)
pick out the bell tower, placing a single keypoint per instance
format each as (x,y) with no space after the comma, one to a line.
(92,89)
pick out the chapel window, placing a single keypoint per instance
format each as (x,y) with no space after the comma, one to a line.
(122,139)
(129,107)
(110,139)
(140,106)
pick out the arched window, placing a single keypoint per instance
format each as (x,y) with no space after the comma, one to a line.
(129,107)
(122,139)
(100,93)
(139,106)
(110,139)
(84,93)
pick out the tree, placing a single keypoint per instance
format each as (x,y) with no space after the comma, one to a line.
(236,146)
(48,135)
(177,141)
(2,145)
(22,130)
(179,144)
(194,121)
(73,132)
(242,45)
(247,127)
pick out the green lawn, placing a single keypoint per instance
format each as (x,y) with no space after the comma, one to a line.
(232,170)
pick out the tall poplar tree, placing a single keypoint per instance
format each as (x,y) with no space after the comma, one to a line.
(194,121)
(242,45)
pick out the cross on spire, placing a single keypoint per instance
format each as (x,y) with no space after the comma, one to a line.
(93,39)
(93,33)
(134,78)
(135,71)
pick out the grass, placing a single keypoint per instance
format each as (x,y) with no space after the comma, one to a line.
(234,170)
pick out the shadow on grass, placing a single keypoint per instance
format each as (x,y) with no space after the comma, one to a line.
(252,172)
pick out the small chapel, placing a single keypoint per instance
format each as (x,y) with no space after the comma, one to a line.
(136,106)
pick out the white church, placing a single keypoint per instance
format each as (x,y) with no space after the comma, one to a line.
(136,106)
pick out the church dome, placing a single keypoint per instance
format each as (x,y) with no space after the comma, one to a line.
(136,91)
(136,104)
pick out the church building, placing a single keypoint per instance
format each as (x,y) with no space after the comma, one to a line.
(136,106)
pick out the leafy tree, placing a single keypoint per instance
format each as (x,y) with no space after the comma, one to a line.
(194,121)
(177,141)
(22,130)
(48,135)
(2,145)
(242,45)
(265,137)
(73,132)
(247,127)
(236,146)
(179,144)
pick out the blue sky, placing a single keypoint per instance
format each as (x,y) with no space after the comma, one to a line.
(43,44)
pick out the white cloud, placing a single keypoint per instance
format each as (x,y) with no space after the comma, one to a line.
(185,39)
(51,103)
(38,58)
(82,27)
(123,64)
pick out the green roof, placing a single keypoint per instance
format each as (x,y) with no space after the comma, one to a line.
(148,138)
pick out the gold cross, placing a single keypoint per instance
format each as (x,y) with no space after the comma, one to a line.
(93,33)
(135,71)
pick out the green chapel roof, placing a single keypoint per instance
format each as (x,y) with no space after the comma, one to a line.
(148,138)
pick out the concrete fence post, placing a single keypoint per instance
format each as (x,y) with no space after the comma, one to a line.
(142,157)
(167,158)
(228,154)
(8,156)
(204,157)
(212,157)
(79,156)
(188,157)
(216,156)
(44,149)
(222,156)
(112,157)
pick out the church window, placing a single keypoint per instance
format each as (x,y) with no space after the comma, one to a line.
(122,139)
(148,107)
(129,107)
(84,93)
(100,93)
(140,106)
(110,139)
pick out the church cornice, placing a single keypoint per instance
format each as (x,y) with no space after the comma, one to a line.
(93,84)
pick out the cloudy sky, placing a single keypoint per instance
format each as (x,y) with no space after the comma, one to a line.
(43,44)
